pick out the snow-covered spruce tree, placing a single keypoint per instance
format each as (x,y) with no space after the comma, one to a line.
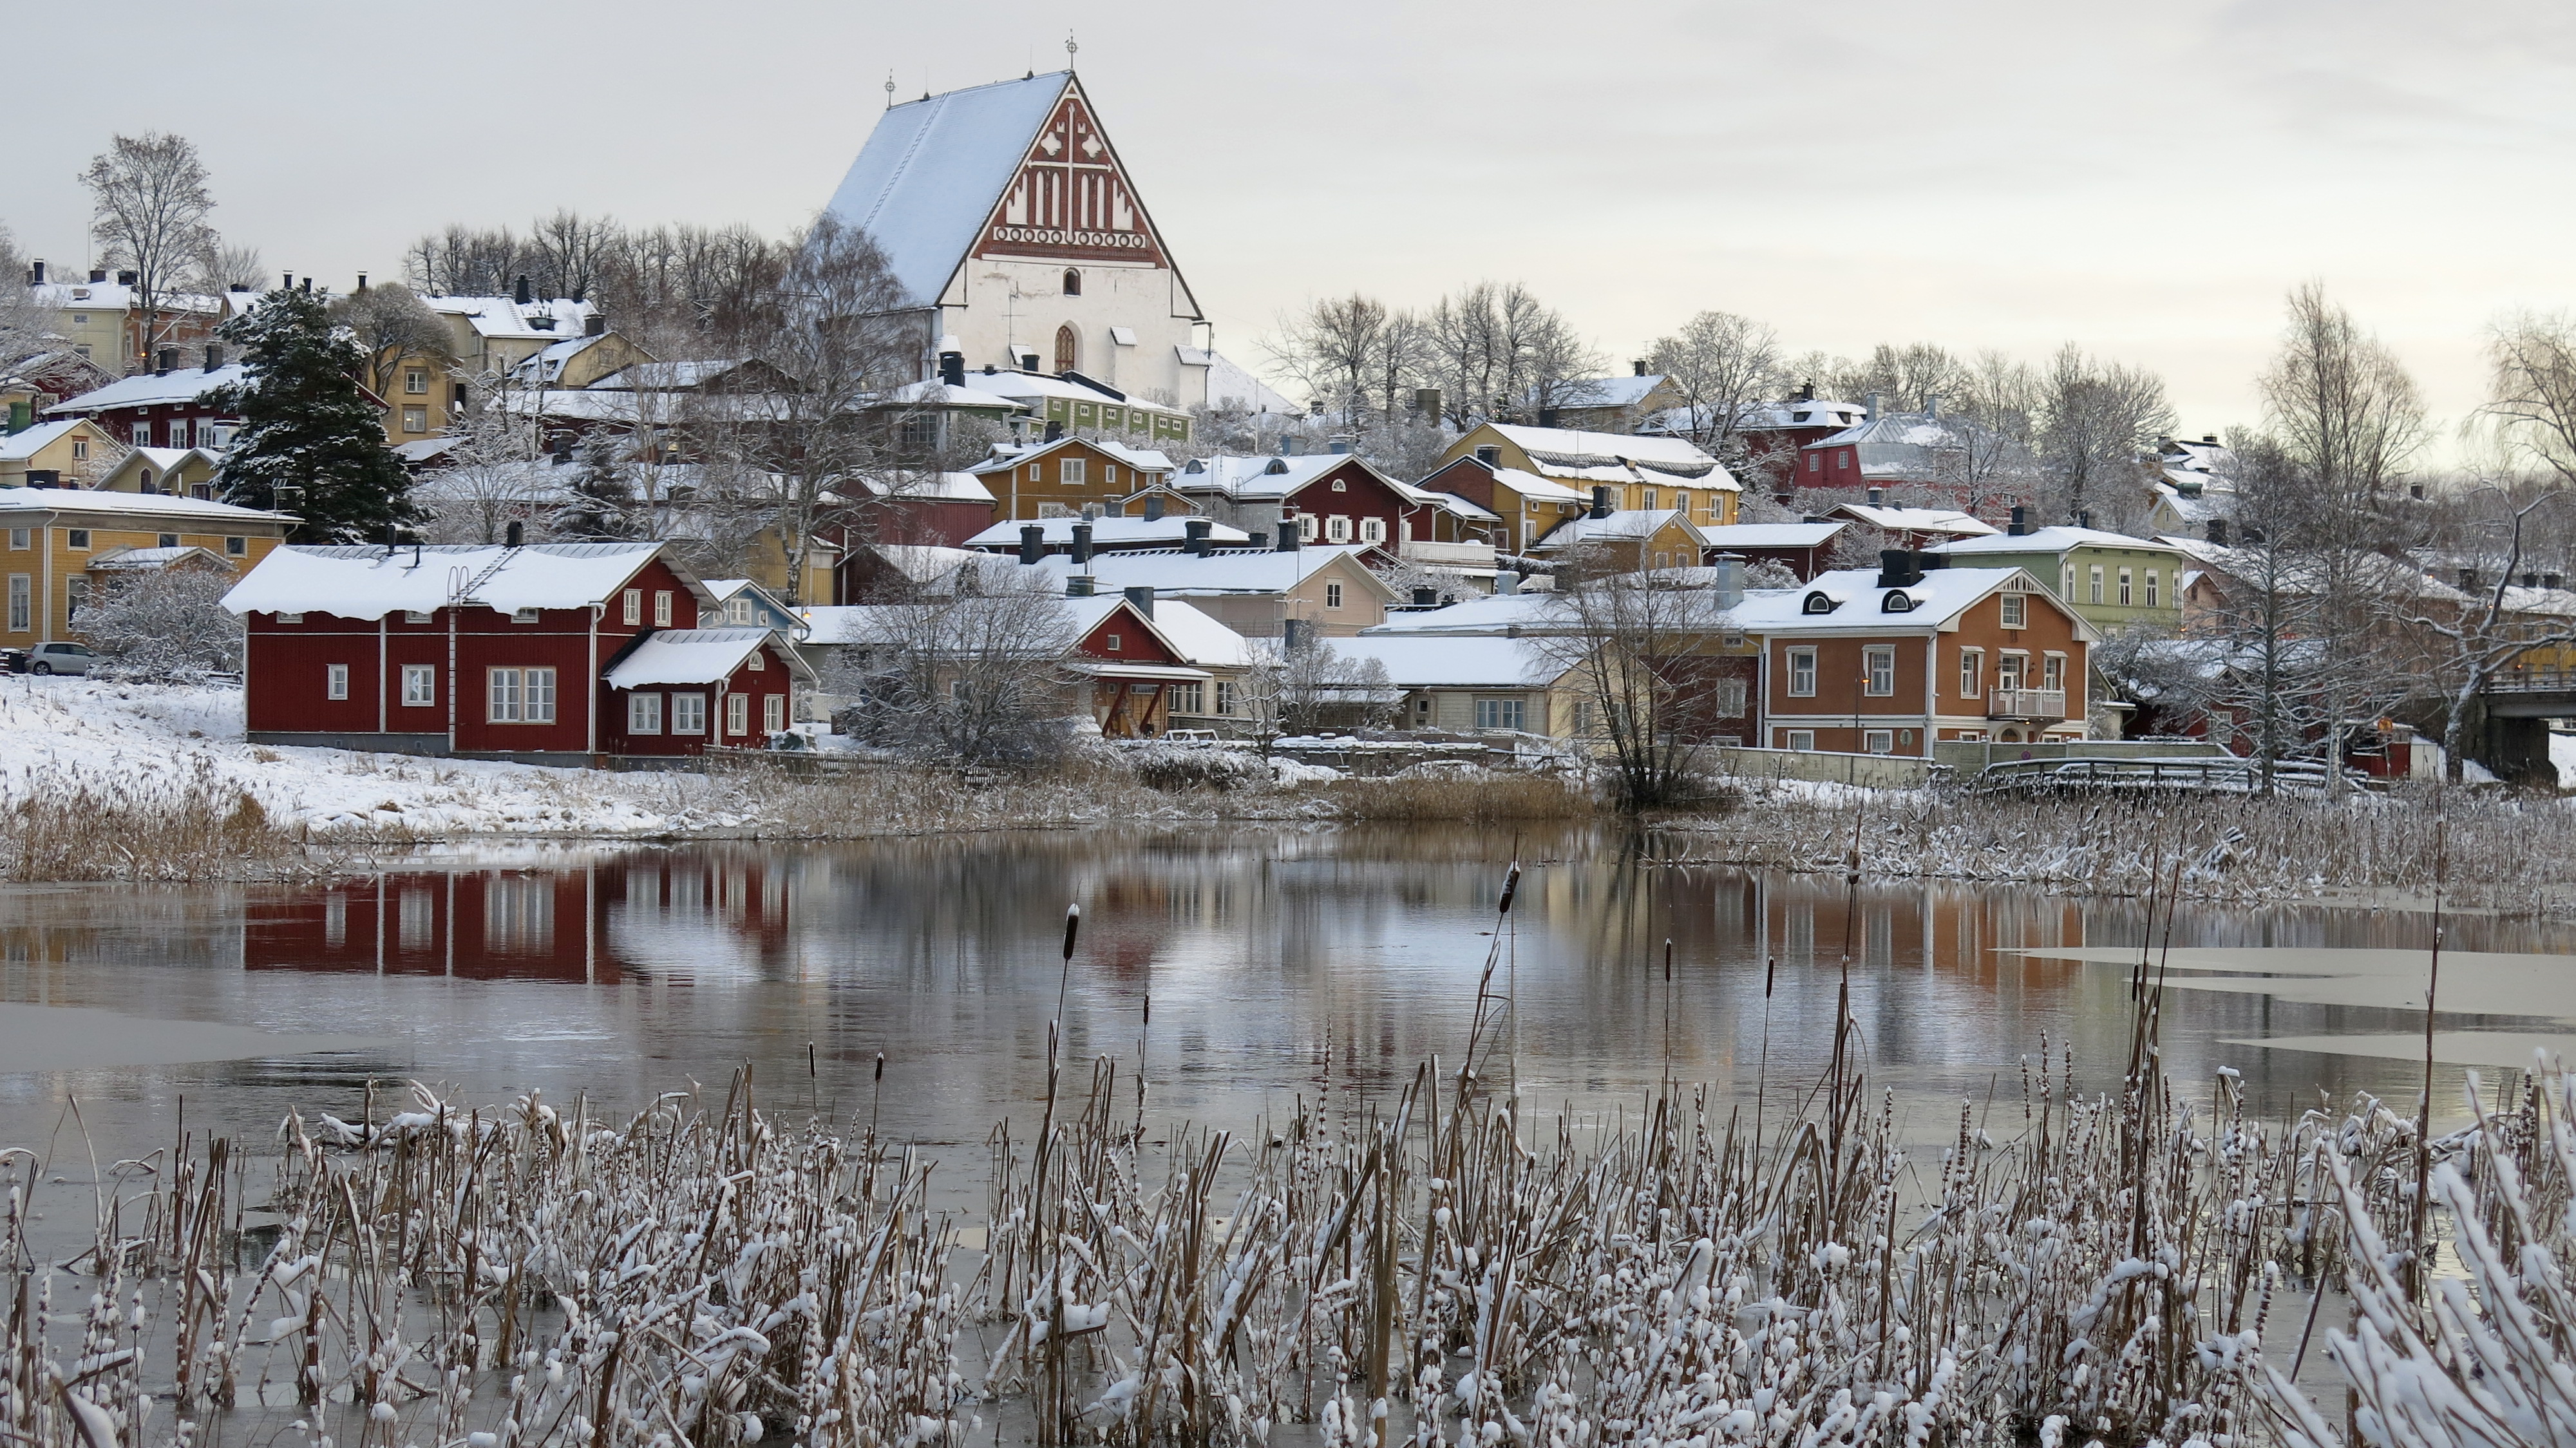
(599,504)
(308,424)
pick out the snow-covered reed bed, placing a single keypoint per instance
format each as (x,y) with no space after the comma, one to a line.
(2509,852)
(1442,1267)
(189,824)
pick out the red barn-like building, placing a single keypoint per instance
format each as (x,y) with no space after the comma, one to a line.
(557,653)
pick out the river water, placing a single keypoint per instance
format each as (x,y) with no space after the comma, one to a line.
(1242,970)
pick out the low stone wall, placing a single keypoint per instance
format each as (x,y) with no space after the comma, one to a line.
(1870,771)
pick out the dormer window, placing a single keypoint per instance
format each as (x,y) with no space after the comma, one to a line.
(1277,466)
(1819,602)
(1896,601)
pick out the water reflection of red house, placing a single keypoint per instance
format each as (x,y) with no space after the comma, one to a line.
(510,924)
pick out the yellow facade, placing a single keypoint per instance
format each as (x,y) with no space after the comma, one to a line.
(1708,506)
(46,552)
(81,453)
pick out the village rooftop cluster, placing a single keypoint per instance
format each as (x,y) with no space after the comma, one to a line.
(982,468)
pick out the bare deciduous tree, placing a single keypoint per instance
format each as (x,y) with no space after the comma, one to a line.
(2500,621)
(2092,422)
(149,205)
(1721,364)
(2341,405)
(26,322)
(1641,653)
(2532,403)
(1497,352)
(392,324)
(490,479)
(165,624)
(975,678)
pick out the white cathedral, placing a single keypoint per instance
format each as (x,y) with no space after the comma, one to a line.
(1010,219)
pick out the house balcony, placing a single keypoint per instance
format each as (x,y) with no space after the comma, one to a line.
(2031,704)
(1448,555)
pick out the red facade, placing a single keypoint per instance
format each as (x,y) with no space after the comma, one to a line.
(530,687)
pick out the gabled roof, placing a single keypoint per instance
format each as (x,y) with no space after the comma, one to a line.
(1491,613)
(149,560)
(1171,529)
(2054,539)
(1769,535)
(1895,519)
(18,446)
(1529,485)
(370,582)
(1265,478)
(1800,412)
(684,656)
(1627,525)
(1019,387)
(1941,595)
(150,389)
(149,505)
(935,488)
(1909,446)
(1609,391)
(1259,571)
(1472,662)
(1143,460)
(935,168)
(547,363)
(1567,455)
(502,317)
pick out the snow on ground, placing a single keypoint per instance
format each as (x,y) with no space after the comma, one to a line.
(101,730)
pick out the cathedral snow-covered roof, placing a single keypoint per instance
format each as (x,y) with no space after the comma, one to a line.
(934,169)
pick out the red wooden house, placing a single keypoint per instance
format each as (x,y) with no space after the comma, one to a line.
(558,653)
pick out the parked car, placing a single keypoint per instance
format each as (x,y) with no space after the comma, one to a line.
(59,659)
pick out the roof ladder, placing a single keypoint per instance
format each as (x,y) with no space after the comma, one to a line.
(459,592)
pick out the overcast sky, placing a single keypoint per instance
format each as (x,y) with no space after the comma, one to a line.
(2146,180)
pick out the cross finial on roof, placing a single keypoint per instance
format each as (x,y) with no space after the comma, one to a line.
(889,90)
(1069,49)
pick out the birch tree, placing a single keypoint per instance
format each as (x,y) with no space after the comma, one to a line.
(1640,654)
(1721,364)
(2499,622)
(149,203)
(1497,351)
(2091,423)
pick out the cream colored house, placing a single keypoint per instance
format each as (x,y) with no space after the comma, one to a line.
(74,450)
(1487,684)
(1641,473)
(50,538)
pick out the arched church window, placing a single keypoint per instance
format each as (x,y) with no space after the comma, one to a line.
(1068,350)
(1072,282)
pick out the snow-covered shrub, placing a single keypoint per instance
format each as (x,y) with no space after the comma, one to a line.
(1174,767)
(165,625)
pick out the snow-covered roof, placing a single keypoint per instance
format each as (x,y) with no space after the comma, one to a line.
(19,446)
(1626,525)
(1894,519)
(1171,528)
(1005,457)
(1491,613)
(504,318)
(1940,595)
(693,656)
(161,459)
(370,582)
(1801,412)
(935,488)
(1191,635)
(1534,488)
(658,376)
(145,560)
(117,297)
(423,449)
(155,505)
(935,393)
(1769,535)
(547,363)
(1022,386)
(928,562)
(1459,662)
(1586,458)
(150,389)
(1258,478)
(1197,638)
(1911,446)
(1263,570)
(2054,539)
(933,169)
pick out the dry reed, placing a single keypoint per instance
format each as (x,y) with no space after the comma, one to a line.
(1463,797)
(66,824)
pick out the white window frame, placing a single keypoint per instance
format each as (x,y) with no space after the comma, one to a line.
(1878,671)
(2096,580)
(335,681)
(1492,713)
(688,713)
(2066,583)
(737,714)
(22,539)
(1225,698)
(527,615)
(415,382)
(2155,589)
(662,608)
(634,603)
(1372,530)
(415,419)
(773,713)
(236,547)
(1073,472)
(520,695)
(2016,610)
(1802,741)
(1972,673)
(76,539)
(2052,671)
(1337,529)
(643,713)
(1799,664)
(2128,589)
(1332,595)
(1878,741)
(22,603)
(420,686)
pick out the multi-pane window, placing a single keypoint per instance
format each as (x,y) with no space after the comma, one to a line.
(737,713)
(643,713)
(1372,530)
(773,713)
(688,713)
(1332,595)
(335,681)
(1879,741)
(415,419)
(1188,698)
(2066,583)
(2052,672)
(523,696)
(2153,594)
(420,686)
(1972,672)
(1646,497)
(1337,529)
(22,603)
(1225,697)
(1499,713)
(2097,583)
(1072,472)
(1878,668)
(662,608)
(2125,588)
(2016,609)
(1802,673)
(415,382)
(634,603)
(1802,740)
